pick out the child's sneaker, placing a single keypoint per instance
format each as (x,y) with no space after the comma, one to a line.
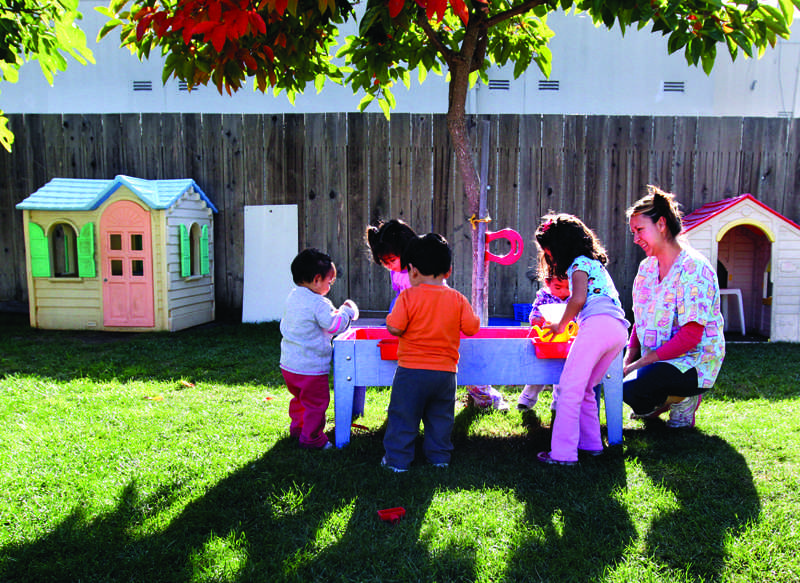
(394,469)
(652,414)
(682,414)
(528,397)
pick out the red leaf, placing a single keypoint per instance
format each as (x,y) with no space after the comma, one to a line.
(218,38)
(214,11)
(140,28)
(257,22)
(270,54)
(204,27)
(460,10)
(395,6)
(439,7)
(187,34)
(280,6)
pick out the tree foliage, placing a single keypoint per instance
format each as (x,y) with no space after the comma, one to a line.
(285,44)
(41,30)
(281,44)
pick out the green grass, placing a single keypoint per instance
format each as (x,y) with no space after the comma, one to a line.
(166,457)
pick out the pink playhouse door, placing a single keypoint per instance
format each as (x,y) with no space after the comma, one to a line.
(127,265)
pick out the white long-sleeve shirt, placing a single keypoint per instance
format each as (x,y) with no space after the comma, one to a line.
(309,323)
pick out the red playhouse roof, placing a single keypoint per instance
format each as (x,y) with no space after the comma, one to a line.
(699,216)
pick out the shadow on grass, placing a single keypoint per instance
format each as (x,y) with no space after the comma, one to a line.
(296,515)
(221,351)
(712,490)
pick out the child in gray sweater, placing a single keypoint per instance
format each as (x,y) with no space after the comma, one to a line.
(309,323)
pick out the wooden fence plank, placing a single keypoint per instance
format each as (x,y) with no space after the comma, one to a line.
(233,194)
(173,147)
(358,258)
(379,161)
(420,162)
(270,157)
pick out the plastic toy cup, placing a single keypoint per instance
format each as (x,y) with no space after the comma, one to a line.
(552,312)
(354,307)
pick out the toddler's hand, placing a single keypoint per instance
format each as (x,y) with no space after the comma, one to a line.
(351,308)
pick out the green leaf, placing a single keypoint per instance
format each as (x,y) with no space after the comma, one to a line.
(788,10)
(365,101)
(387,110)
(6,135)
(422,73)
(708,59)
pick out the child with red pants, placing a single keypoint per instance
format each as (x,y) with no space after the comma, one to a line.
(309,323)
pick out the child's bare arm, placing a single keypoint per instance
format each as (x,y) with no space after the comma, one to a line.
(394,331)
(537,321)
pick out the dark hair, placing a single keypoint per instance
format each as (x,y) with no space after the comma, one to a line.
(566,237)
(656,204)
(430,254)
(310,263)
(388,238)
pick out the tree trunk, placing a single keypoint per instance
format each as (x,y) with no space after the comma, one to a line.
(459,135)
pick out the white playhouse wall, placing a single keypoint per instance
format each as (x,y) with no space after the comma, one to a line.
(189,300)
(785,272)
(786,284)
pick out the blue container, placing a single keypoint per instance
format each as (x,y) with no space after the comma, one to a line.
(522,312)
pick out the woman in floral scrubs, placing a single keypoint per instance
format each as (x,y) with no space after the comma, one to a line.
(677,345)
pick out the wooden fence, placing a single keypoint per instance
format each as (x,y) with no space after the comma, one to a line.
(345,171)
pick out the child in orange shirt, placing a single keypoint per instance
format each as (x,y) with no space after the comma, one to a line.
(429,318)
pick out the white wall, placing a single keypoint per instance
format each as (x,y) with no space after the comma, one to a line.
(599,72)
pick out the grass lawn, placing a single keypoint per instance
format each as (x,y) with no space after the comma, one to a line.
(166,457)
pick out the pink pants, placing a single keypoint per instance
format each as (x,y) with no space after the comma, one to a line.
(577,426)
(311,397)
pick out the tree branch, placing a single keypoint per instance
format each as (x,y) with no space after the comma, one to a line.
(515,11)
(422,20)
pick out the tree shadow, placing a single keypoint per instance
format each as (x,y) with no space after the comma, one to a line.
(710,502)
(297,515)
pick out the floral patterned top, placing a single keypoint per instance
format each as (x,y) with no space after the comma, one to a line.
(688,293)
(602,296)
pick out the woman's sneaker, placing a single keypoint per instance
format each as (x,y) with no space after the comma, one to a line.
(682,414)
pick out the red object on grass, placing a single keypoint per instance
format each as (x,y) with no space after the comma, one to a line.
(392,515)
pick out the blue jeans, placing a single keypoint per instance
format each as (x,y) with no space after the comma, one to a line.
(420,395)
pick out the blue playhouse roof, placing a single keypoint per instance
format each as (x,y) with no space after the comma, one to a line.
(77,194)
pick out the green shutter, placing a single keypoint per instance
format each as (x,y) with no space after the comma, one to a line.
(186,252)
(204,268)
(40,252)
(86,264)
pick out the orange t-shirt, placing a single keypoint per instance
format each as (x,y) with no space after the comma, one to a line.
(433,318)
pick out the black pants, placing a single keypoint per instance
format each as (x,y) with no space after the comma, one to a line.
(655,382)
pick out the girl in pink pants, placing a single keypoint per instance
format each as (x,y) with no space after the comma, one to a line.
(569,249)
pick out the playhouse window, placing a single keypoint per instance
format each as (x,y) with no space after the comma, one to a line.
(194,248)
(64,251)
(137,243)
